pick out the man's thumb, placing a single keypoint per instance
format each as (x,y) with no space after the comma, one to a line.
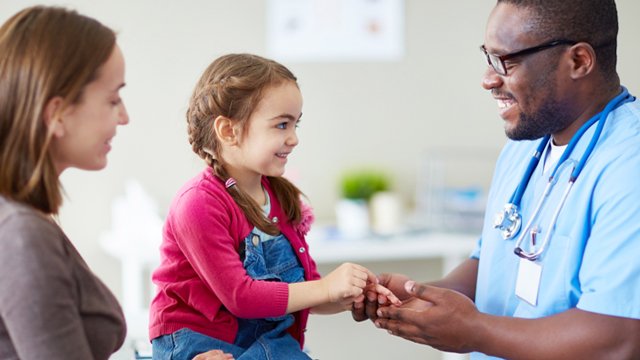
(415,289)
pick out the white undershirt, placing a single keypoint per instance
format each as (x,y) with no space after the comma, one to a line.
(554,152)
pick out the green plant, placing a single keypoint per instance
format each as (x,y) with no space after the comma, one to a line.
(362,184)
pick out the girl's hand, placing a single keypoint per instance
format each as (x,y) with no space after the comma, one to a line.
(347,283)
(213,355)
(384,295)
(393,283)
(377,292)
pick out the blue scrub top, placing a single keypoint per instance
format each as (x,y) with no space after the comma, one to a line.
(591,261)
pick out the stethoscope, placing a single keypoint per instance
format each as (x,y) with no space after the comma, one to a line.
(509,220)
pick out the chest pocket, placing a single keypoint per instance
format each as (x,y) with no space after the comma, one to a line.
(271,260)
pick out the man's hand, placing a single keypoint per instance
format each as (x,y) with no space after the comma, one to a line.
(436,317)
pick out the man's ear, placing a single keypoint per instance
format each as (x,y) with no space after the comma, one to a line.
(52,116)
(225,130)
(583,60)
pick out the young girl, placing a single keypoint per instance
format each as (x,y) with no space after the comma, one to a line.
(235,270)
(60,77)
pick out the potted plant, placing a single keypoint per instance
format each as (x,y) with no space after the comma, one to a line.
(357,187)
(362,184)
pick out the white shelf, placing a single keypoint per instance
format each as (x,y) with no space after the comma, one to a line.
(327,247)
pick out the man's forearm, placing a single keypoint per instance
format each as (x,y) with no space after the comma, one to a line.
(461,279)
(573,334)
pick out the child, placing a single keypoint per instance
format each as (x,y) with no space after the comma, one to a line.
(235,270)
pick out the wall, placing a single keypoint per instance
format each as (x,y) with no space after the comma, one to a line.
(387,114)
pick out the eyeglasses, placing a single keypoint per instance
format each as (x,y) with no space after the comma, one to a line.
(497,61)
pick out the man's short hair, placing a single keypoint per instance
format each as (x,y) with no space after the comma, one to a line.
(592,21)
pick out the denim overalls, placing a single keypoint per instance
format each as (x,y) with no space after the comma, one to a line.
(266,257)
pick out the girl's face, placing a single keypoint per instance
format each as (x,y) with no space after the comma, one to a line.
(271,133)
(82,137)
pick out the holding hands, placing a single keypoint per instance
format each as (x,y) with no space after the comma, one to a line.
(342,289)
(346,286)
(394,283)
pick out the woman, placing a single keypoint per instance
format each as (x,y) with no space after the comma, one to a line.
(60,76)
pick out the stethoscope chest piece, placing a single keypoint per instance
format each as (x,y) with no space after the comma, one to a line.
(508,221)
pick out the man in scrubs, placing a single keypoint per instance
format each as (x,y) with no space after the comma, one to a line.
(551,69)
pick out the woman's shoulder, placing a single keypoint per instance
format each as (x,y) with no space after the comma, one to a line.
(18,215)
(25,231)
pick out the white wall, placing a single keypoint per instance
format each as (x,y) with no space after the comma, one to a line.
(384,114)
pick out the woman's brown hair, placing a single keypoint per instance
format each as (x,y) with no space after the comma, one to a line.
(232,86)
(45,52)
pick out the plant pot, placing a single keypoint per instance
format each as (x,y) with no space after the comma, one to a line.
(352,218)
(386,212)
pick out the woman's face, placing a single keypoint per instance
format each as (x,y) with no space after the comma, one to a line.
(82,137)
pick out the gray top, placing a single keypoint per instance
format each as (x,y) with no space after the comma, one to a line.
(52,306)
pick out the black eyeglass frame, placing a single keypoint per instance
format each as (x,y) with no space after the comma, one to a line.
(497,61)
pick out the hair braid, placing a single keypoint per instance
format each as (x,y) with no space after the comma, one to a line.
(251,209)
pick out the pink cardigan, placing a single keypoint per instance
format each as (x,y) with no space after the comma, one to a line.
(202,284)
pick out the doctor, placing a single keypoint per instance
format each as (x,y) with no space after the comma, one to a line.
(556,273)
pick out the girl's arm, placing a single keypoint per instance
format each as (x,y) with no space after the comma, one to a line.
(345,282)
(384,296)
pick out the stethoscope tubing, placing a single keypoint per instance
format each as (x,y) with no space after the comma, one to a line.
(517,195)
(536,254)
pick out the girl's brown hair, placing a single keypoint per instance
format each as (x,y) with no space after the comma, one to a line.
(232,86)
(45,52)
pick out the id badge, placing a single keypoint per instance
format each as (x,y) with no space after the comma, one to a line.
(528,281)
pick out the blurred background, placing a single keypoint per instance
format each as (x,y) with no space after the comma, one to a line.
(413,117)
